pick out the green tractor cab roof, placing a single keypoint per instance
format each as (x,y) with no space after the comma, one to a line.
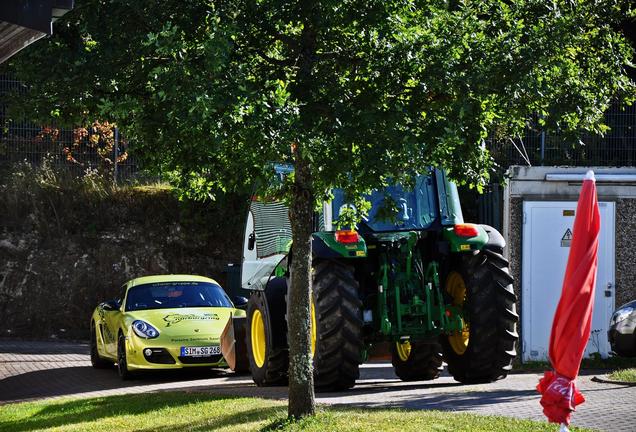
(433,201)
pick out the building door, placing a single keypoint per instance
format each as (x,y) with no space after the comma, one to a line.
(547,233)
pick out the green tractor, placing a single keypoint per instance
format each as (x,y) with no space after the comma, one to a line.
(412,274)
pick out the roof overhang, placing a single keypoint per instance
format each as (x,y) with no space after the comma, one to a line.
(22,22)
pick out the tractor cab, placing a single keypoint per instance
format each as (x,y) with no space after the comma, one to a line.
(432,202)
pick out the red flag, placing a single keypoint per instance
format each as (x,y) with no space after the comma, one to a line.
(573,316)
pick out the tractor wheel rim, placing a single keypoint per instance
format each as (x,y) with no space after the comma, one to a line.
(456,287)
(314,329)
(403,350)
(257,333)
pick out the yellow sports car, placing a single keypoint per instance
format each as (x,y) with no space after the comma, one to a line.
(162,322)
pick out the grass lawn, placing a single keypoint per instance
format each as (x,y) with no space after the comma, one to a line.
(175,412)
(626,375)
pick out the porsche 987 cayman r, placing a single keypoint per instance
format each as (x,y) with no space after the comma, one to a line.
(162,322)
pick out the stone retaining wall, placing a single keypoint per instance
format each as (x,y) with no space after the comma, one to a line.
(60,255)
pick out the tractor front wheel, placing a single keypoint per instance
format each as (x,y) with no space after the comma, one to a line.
(337,320)
(268,362)
(483,350)
(416,361)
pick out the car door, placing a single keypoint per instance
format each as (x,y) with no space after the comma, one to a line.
(111,323)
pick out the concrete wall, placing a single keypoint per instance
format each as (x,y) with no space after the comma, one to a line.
(529,184)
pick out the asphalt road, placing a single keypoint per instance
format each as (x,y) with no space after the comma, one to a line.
(37,370)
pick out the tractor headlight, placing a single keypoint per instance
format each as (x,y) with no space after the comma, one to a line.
(621,315)
(144,330)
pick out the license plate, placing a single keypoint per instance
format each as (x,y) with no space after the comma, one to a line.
(200,351)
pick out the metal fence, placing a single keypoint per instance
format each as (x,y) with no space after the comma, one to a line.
(95,147)
(616,148)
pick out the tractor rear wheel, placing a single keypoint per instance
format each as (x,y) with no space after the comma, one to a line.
(483,350)
(338,326)
(268,362)
(416,361)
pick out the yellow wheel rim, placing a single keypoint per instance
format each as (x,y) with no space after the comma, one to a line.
(456,287)
(257,335)
(313,327)
(403,350)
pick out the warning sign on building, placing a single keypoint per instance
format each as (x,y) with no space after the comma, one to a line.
(567,238)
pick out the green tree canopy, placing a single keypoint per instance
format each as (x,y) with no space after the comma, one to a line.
(351,92)
(369,88)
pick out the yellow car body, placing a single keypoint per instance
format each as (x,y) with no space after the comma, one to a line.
(162,322)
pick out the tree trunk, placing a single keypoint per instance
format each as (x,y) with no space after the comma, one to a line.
(301,379)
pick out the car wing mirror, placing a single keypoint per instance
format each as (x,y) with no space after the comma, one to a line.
(251,241)
(239,302)
(110,305)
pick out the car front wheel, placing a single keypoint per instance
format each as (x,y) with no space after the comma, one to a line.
(122,363)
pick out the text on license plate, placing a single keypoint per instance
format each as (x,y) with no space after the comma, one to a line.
(200,351)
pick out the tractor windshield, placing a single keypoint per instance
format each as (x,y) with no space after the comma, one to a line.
(397,208)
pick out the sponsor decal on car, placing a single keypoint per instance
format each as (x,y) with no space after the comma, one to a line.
(171,319)
(197,339)
(107,334)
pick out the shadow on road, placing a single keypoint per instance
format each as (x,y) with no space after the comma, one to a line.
(84,379)
(47,347)
(447,401)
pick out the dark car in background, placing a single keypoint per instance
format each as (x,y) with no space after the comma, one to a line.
(621,334)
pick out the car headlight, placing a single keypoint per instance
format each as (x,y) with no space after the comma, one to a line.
(144,330)
(621,315)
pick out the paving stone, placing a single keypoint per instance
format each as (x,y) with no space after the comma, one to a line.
(38,370)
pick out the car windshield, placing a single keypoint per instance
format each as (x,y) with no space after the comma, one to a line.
(168,295)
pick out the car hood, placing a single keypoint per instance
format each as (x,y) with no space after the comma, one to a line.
(185,321)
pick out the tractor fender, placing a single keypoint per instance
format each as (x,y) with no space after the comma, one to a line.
(320,249)
(325,246)
(495,239)
(275,296)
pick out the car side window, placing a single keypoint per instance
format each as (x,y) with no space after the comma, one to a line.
(122,295)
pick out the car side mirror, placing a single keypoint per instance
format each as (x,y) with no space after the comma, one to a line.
(251,241)
(239,302)
(110,305)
